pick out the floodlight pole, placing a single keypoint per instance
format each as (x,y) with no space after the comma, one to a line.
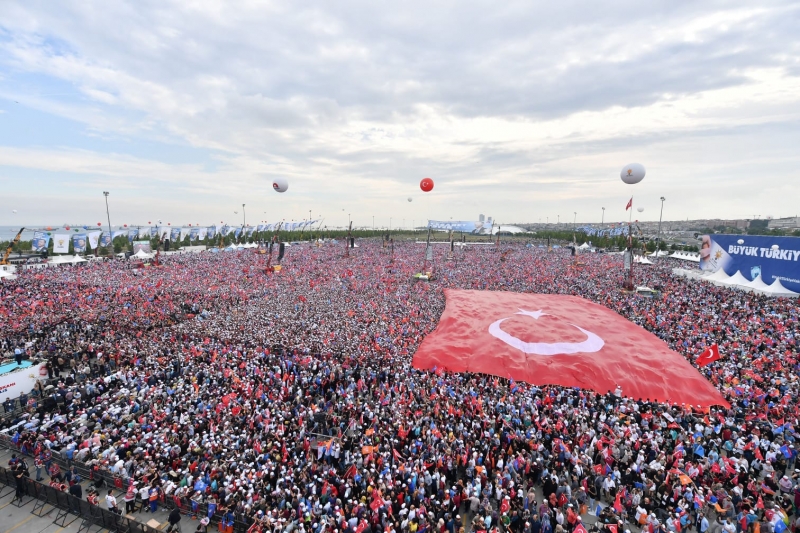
(111,241)
(658,238)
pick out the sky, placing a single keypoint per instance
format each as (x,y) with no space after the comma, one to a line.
(524,111)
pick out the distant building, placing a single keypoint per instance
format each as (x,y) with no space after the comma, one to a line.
(784,223)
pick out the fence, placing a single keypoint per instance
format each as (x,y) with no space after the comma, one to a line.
(69,507)
(111,481)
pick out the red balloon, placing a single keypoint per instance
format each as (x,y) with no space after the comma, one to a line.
(124,225)
(148,222)
(168,224)
(66,228)
(190,225)
(426,184)
(99,224)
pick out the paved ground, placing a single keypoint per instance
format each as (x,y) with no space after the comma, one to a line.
(20,520)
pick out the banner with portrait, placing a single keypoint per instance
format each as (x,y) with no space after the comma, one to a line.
(194,233)
(105,240)
(771,257)
(175,235)
(41,240)
(79,243)
(212,232)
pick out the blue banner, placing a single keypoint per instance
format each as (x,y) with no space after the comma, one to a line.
(193,233)
(224,230)
(212,232)
(260,228)
(237,232)
(41,240)
(79,243)
(153,232)
(132,235)
(175,234)
(772,257)
(250,231)
(105,240)
(116,233)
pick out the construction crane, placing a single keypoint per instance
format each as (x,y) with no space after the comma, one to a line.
(11,247)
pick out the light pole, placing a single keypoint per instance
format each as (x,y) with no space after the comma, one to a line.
(373,222)
(244,217)
(575,220)
(349,220)
(105,193)
(603,217)
(658,238)
(390,223)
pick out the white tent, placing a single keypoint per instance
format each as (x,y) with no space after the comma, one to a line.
(7,275)
(584,246)
(66,260)
(736,281)
(777,289)
(141,254)
(659,253)
(756,285)
(642,260)
(717,276)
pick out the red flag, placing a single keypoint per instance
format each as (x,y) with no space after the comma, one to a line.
(709,356)
(630,204)
(618,503)
(579,529)
(559,340)
(612,528)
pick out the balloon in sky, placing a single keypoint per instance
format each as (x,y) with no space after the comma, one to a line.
(426,184)
(159,221)
(124,225)
(640,209)
(280,184)
(13,210)
(236,212)
(633,173)
(409,199)
(66,228)
(99,224)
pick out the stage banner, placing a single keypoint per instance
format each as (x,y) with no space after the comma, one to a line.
(463,225)
(202,233)
(212,232)
(41,240)
(105,240)
(141,246)
(61,243)
(175,235)
(79,243)
(194,233)
(772,257)
(94,238)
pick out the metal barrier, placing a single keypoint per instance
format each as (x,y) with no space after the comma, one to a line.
(110,481)
(70,508)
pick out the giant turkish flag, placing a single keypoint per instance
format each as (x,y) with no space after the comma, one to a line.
(559,340)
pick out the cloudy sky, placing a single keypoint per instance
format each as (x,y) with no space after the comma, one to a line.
(521,110)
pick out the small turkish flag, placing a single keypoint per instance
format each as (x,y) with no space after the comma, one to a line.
(630,204)
(579,529)
(612,528)
(553,339)
(709,356)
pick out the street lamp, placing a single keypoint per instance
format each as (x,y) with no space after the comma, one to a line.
(244,217)
(658,239)
(603,218)
(373,222)
(575,219)
(390,223)
(105,193)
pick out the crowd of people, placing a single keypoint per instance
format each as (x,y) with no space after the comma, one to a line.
(287,401)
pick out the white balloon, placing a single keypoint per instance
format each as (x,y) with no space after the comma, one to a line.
(13,210)
(409,199)
(633,173)
(640,209)
(280,184)
(159,221)
(236,212)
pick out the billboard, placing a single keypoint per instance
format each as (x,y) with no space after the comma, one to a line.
(479,227)
(141,245)
(772,257)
